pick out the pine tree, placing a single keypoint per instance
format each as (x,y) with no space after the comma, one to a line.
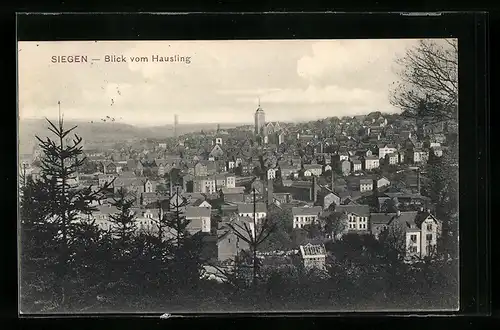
(124,223)
(176,220)
(60,163)
(38,249)
(51,209)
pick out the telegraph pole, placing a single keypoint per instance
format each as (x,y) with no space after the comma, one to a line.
(253,233)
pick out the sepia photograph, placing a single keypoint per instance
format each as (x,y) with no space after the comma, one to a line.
(238,176)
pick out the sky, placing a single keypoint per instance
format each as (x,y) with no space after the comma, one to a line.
(295,80)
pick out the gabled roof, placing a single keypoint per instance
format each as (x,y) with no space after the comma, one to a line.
(236,190)
(381,218)
(198,202)
(249,208)
(360,210)
(405,218)
(312,166)
(196,212)
(305,211)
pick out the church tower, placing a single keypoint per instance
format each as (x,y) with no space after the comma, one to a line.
(260,120)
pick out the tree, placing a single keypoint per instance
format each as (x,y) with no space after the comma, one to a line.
(176,220)
(335,224)
(61,160)
(124,221)
(254,235)
(389,206)
(428,85)
(39,247)
(393,238)
(279,239)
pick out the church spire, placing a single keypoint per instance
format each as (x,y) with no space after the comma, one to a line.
(259,102)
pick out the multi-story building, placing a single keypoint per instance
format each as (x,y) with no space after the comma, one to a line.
(303,216)
(260,121)
(371,162)
(247,210)
(385,149)
(356,165)
(204,185)
(199,219)
(365,185)
(312,169)
(357,217)
(392,158)
(415,232)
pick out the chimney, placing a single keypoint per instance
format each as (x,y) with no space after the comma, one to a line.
(421,209)
(429,211)
(312,190)
(398,213)
(418,181)
(333,180)
(270,195)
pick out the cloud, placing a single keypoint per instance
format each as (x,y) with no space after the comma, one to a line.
(247,91)
(221,84)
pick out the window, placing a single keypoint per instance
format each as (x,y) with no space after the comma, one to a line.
(413,249)
(429,237)
(429,227)
(413,238)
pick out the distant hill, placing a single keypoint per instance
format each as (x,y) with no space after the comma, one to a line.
(95,132)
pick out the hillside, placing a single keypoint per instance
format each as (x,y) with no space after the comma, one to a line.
(97,132)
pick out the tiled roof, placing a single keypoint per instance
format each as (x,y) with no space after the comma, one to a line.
(305,211)
(361,210)
(312,166)
(236,190)
(249,207)
(196,212)
(366,181)
(198,202)
(406,218)
(381,218)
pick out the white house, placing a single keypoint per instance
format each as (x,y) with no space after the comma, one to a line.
(343,156)
(271,173)
(372,162)
(385,150)
(365,185)
(230,181)
(312,169)
(356,165)
(383,182)
(247,210)
(392,158)
(199,219)
(303,216)
(421,231)
(357,215)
